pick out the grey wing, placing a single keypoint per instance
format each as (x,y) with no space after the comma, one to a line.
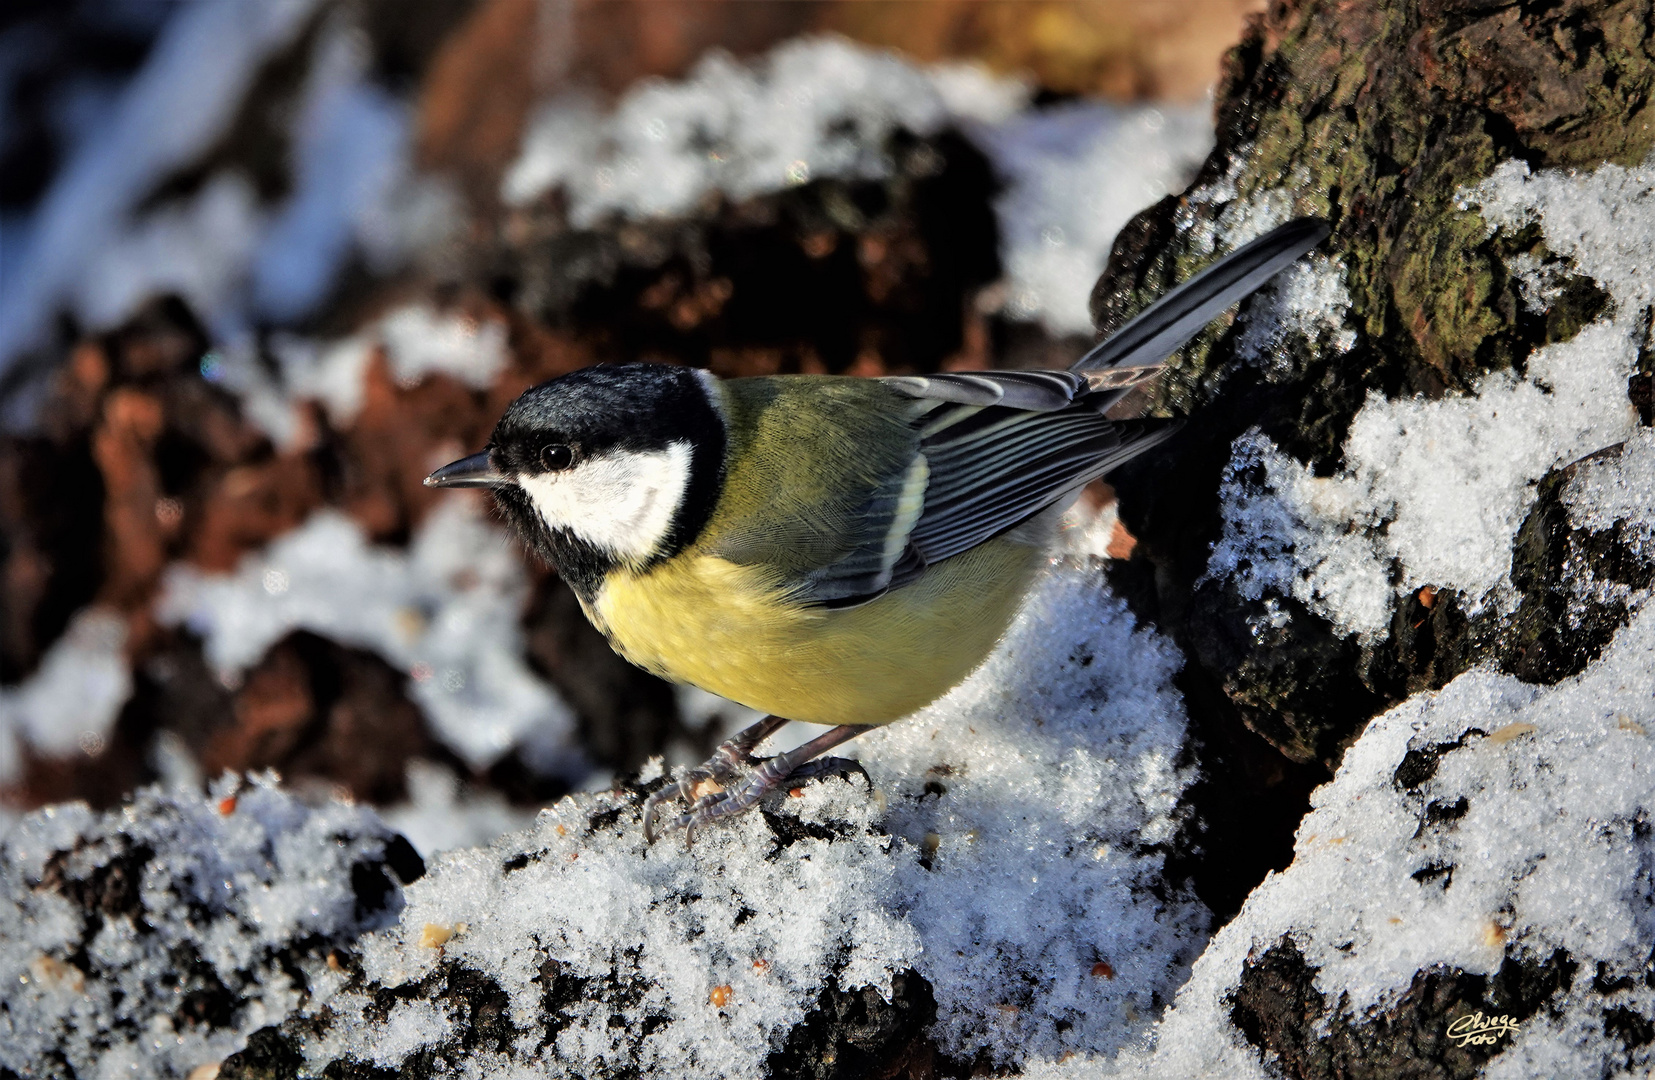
(998,447)
(883,540)
(995,462)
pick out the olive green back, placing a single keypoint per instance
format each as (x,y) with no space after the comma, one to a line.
(808,458)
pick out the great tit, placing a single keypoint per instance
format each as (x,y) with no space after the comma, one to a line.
(831,549)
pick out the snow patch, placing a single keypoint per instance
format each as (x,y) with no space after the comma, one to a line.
(1307,303)
(1603,221)
(231,258)
(1604,493)
(1433,492)
(152,939)
(175,106)
(71,701)
(1059,760)
(446,612)
(1074,176)
(351,146)
(416,340)
(1281,539)
(823,107)
(196,248)
(1551,851)
(811,108)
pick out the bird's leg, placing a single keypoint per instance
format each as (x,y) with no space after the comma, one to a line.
(772,773)
(731,756)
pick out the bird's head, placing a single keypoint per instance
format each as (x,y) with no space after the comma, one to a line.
(615,465)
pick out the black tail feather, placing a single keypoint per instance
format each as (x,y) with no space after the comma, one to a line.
(1157,331)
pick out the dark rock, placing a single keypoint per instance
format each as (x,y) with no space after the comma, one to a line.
(1567,578)
(1630,1029)
(857,1033)
(142,459)
(831,276)
(403,860)
(107,875)
(1289,676)
(1278,1009)
(1420,764)
(51,497)
(268,1056)
(312,708)
(1245,802)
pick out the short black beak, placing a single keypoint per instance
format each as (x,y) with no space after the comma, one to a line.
(474,471)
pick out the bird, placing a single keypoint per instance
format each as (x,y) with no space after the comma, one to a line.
(831,549)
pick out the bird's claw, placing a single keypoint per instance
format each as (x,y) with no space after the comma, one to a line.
(731,756)
(766,775)
(684,789)
(714,805)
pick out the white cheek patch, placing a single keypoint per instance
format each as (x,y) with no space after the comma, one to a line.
(622,502)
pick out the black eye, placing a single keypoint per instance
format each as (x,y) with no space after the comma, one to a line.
(556,457)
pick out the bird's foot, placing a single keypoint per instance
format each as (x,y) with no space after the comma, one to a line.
(731,756)
(769,774)
(768,777)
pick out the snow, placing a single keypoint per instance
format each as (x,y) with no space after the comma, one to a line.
(71,701)
(1602,221)
(1307,302)
(417,339)
(811,108)
(1279,539)
(411,1026)
(446,612)
(1603,493)
(418,342)
(1397,516)
(1613,494)
(351,141)
(233,259)
(1059,757)
(1551,852)
(1239,219)
(1303,310)
(1042,787)
(115,921)
(195,247)
(1074,176)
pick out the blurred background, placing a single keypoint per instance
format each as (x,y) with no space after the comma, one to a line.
(264,265)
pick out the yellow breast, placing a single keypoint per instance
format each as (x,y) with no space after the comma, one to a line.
(729,629)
